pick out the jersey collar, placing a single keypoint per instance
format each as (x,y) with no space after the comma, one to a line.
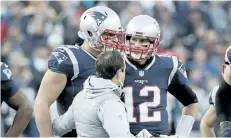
(134,67)
(89,54)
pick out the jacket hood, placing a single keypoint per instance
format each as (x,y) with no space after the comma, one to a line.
(96,86)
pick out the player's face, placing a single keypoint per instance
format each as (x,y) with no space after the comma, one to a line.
(112,41)
(109,37)
(139,48)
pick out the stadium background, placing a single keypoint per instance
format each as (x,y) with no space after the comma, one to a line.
(198,32)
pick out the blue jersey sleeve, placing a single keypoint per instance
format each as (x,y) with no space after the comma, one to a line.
(179,87)
(60,62)
(8,86)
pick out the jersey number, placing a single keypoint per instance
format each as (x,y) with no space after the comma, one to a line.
(143,107)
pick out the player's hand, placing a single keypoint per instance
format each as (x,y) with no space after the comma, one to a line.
(144,134)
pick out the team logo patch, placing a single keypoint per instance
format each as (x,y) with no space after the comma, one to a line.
(98,16)
(183,70)
(141,73)
(59,56)
(7,72)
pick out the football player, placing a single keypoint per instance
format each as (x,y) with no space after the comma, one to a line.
(14,97)
(148,79)
(209,119)
(223,102)
(70,66)
(97,111)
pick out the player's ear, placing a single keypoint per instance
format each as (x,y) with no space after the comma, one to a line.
(119,73)
(223,69)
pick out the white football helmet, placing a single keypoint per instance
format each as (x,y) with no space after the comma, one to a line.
(101,21)
(146,27)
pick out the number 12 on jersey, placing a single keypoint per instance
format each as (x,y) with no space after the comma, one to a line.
(143,107)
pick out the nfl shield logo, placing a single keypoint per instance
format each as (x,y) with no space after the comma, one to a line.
(141,73)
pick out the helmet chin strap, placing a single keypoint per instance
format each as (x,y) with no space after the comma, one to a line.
(161,42)
(92,40)
(94,47)
(154,52)
(92,44)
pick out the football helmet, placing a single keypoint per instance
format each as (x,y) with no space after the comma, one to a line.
(101,27)
(228,56)
(146,28)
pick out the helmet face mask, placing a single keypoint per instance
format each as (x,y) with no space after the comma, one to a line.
(112,40)
(139,48)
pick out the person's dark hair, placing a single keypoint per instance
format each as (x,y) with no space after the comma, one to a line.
(108,63)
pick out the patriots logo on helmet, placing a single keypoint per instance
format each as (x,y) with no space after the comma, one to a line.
(59,56)
(98,16)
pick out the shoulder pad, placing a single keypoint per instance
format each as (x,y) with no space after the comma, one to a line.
(63,60)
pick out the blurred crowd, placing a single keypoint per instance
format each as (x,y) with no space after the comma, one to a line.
(198,32)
